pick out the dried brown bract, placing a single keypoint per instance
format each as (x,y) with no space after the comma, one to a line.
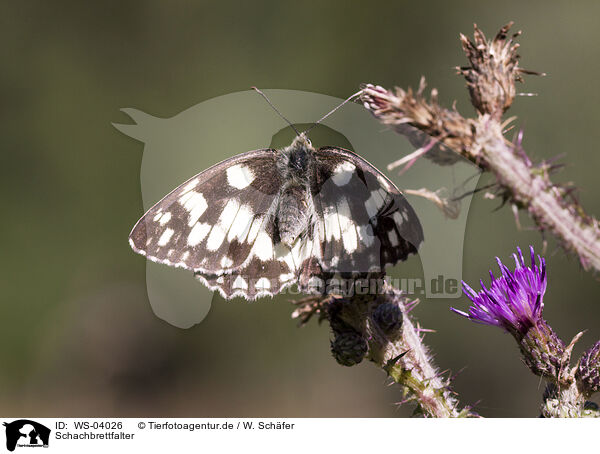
(429,126)
(493,71)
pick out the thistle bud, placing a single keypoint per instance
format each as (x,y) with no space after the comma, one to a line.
(542,350)
(588,372)
(349,348)
(388,317)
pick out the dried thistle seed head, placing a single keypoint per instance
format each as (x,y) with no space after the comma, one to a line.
(349,348)
(443,132)
(494,68)
(588,372)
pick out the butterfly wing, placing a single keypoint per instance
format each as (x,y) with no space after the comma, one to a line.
(216,221)
(220,224)
(365,222)
(256,279)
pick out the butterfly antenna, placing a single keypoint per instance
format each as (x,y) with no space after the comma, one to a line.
(275,109)
(358,93)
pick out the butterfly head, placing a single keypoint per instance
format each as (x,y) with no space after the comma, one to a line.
(298,154)
(302,142)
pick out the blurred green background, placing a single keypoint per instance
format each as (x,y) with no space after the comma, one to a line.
(77,334)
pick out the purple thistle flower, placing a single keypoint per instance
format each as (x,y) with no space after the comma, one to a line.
(514,301)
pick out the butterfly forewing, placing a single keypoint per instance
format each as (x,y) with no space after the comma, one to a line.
(216,220)
(366,223)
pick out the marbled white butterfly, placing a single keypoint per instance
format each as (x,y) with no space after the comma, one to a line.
(264,220)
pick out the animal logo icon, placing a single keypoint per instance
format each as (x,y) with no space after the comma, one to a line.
(25,432)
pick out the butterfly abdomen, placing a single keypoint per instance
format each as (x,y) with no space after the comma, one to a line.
(293,217)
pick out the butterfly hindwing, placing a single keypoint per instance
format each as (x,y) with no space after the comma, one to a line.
(256,279)
(270,267)
(366,223)
(215,221)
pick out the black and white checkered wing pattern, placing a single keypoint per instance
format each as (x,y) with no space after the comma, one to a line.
(366,224)
(231,224)
(218,222)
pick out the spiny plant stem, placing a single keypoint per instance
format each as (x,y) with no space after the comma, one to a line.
(408,363)
(491,76)
(400,352)
(533,190)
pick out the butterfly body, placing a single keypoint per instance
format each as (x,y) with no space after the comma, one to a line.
(267,219)
(295,211)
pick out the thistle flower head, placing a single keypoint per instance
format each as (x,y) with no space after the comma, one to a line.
(514,300)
